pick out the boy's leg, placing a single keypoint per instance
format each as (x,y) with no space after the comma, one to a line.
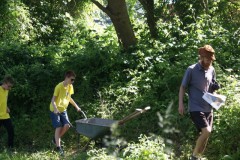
(57,125)
(57,136)
(65,123)
(59,132)
(10,130)
(61,123)
(64,130)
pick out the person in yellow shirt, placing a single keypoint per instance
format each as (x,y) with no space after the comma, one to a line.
(58,108)
(5,119)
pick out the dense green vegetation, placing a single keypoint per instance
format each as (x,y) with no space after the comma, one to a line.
(40,40)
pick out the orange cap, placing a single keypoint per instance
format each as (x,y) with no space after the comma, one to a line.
(207,51)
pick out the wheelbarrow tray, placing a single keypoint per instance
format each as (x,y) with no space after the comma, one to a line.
(94,127)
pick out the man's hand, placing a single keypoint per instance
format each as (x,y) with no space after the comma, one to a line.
(181,109)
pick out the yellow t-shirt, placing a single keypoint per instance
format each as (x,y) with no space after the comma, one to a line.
(3,104)
(63,95)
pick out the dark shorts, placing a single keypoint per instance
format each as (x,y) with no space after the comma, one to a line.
(202,119)
(59,120)
(7,123)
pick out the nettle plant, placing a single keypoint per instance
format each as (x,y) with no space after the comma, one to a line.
(147,148)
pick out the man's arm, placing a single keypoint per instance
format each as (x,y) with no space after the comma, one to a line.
(180,103)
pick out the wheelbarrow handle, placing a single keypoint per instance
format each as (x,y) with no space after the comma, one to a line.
(133,115)
(66,120)
(85,117)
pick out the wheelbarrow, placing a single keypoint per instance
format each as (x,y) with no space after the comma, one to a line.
(95,128)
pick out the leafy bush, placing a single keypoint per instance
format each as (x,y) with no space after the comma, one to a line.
(226,123)
(16,23)
(149,148)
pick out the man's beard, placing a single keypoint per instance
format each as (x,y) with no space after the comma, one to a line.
(205,65)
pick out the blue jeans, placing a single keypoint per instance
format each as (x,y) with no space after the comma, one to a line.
(59,120)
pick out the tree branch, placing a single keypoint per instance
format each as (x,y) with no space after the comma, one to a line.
(100,6)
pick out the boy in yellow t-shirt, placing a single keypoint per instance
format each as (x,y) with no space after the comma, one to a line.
(4,110)
(58,108)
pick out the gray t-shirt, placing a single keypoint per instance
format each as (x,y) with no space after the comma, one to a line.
(197,81)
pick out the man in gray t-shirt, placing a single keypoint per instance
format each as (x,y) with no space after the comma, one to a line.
(198,79)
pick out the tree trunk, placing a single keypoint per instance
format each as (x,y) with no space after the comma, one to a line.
(205,5)
(148,6)
(117,11)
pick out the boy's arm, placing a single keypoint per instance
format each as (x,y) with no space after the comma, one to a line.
(56,111)
(8,110)
(75,105)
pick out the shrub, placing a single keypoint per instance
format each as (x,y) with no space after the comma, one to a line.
(147,148)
